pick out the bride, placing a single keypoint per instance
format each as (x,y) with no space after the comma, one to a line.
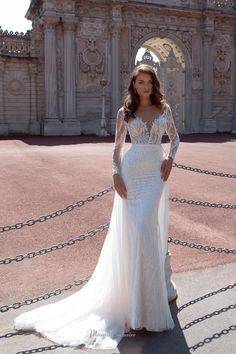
(127,289)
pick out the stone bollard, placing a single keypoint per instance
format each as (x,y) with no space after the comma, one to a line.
(171,287)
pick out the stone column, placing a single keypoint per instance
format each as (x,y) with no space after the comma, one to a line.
(207,123)
(51,123)
(197,86)
(70,124)
(34,124)
(234,108)
(3,125)
(115,69)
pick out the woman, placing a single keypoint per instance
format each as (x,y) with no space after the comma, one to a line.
(127,289)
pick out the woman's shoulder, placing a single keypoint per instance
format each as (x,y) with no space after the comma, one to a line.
(121,113)
(166,105)
(121,110)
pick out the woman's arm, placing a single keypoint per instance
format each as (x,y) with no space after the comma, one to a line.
(121,130)
(120,135)
(174,144)
(172,134)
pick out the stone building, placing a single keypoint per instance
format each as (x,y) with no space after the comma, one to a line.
(53,78)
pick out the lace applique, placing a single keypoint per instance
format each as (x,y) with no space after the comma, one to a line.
(172,133)
(121,131)
(140,134)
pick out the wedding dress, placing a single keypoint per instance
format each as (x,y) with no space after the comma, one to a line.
(127,289)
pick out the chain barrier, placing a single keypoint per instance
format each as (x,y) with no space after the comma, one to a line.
(54,214)
(101,228)
(59,246)
(12,334)
(192,348)
(46,296)
(202,247)
(199,170)
(42,349)
(203,203)
(209,315)
(200,298)
(70,242)
(32,222)
(208,340)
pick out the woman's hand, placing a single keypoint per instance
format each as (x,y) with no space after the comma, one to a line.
(119,185)
(166,168)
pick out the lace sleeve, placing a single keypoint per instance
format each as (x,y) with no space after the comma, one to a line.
(172,133)
(120,135)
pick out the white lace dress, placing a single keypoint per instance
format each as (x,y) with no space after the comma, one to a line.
(127,288)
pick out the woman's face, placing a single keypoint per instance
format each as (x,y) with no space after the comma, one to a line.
(143,84)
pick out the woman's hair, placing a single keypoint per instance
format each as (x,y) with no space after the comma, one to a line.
(131,101)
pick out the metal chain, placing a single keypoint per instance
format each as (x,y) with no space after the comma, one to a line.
(196,346)
(203,203)
(202,247)
(208,340)
(46,296)
(193,348)
(12,334)
(199,170)
(42,349)
(82,202)
(209,315)
(59,246)
(91,233)
(54,214)
(206,296)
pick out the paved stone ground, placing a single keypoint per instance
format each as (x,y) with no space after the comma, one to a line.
(41,174)
(200,312)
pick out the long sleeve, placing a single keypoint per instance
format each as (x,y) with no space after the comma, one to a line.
(120,135)
(172,134)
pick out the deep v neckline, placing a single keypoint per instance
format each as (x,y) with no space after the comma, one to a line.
(152,123)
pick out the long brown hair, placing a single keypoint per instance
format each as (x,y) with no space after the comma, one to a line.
(131,101)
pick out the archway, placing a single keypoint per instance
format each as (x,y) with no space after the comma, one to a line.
(173,64)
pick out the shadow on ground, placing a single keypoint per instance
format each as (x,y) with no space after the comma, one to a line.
(94,139)
(146,342)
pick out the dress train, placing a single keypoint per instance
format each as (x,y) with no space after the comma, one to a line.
(127,288)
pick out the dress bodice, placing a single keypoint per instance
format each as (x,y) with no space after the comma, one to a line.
(140,133)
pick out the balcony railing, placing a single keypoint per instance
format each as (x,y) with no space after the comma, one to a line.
(15,43)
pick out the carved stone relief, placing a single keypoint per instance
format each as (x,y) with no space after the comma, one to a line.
(15,87)
(172,78)
(187,40)
(125,73)
(33,69)
(66,6)
(223,64)
(92,28)
(92,10)
(91,64)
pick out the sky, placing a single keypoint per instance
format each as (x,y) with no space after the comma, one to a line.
(12,15)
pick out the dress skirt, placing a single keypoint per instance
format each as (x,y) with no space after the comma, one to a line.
(127,289)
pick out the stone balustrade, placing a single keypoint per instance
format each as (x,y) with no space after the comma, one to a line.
(15,43)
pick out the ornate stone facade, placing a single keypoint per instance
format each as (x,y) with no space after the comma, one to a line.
(51,78)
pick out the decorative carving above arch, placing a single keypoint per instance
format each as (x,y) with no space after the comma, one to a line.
(162,47)
(181,40)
